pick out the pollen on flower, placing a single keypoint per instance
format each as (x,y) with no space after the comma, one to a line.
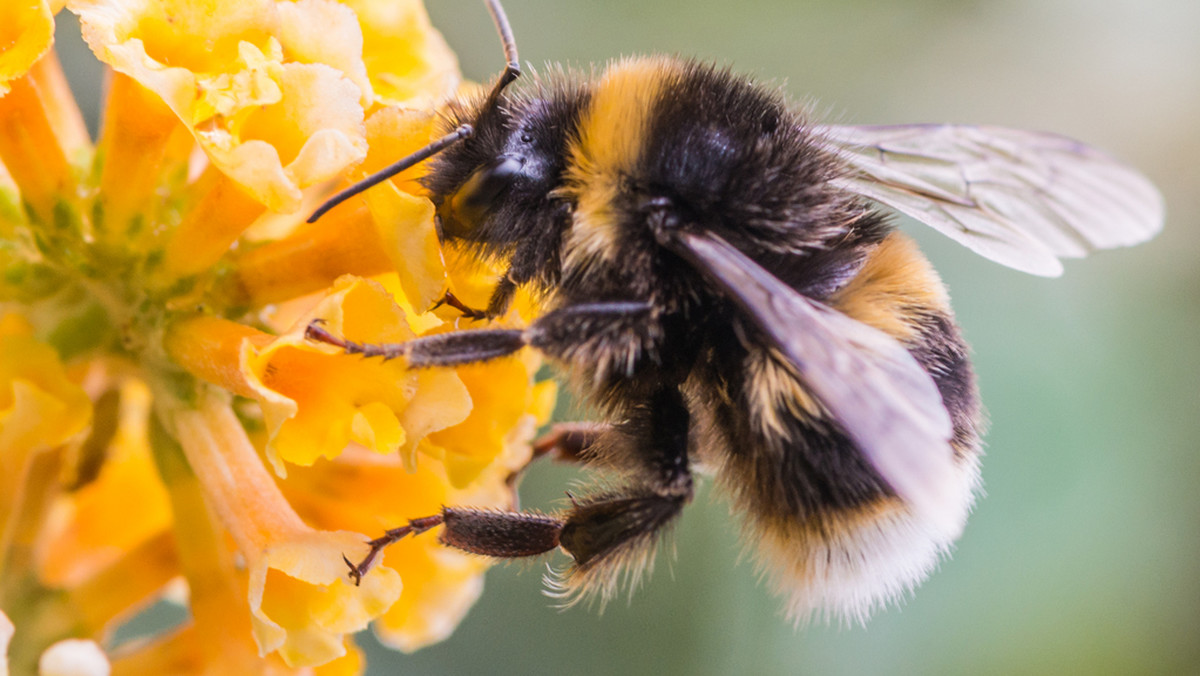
(156,288)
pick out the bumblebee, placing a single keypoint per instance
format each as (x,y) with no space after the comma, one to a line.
(723,288)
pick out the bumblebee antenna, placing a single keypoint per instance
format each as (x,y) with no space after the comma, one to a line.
(462,132)
(512,70)
(512,67)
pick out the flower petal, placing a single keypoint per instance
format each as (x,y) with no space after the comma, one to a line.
(26,33)
(142,145)
(309,259)
(43,141)
(502,392)
(96,527)
(409,62)
(240,74)
(39,405)
(402,214)
(366,492)
(442,584)
(301,601)
(316,400)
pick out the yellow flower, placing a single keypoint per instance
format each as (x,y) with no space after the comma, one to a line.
(316,400)
(27,30)
(155,290)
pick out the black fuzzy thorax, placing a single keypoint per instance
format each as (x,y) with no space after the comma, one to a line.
(736,159)
(721,154)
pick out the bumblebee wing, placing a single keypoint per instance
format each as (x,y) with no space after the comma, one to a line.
(1020,198)
(871,385)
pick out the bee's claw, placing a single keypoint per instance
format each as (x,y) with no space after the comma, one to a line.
(467,311)
(355,574)
(414,527)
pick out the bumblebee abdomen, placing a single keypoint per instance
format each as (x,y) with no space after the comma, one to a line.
(898,292)
(809,495)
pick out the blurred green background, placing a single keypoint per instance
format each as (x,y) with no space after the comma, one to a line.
(1082,557)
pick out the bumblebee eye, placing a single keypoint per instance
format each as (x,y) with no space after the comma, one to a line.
(488,182)
(478,194)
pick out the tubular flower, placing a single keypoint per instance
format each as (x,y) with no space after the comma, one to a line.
(167,432)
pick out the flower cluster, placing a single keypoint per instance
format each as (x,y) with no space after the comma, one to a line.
(166,432)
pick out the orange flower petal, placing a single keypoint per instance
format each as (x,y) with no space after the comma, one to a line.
(409,62)
(406,226)
(402,213)
(39,405)
(239,74)
(362,491)
(26,33)
(316,400)
(503,396)
(96,526)
(309,259)
(37,145)
(300,601)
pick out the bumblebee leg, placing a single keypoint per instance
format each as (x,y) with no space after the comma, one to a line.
(599,531)
(619,526)
(607,527)
(568,441)
(565,442)
(602,343)
(468,347)
(505,535)
(443,349)
(585,323)
(467,311)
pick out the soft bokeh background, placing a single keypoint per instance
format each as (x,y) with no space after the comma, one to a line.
(1082,558)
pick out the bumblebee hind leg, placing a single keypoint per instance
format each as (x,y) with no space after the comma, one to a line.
(611,534)
(610,531)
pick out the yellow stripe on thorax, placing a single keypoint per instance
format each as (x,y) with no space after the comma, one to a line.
(896,282)
(612,135)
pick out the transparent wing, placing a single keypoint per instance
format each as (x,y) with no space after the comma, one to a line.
(872,386)
(1020,198)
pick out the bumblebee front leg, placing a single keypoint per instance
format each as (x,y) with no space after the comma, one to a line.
(451,300)
(443,349)
(469,347)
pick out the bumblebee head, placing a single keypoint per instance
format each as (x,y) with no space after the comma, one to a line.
(469,181)
(496,187)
